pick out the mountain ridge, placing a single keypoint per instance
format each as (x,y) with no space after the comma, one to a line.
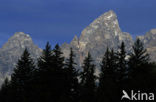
(103,32)
(13,49)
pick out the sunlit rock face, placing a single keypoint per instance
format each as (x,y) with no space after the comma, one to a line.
(149,40)
(103,32)
(13,49)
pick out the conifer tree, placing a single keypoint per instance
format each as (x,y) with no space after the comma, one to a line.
(52,76)
(59,76)
(4,91)
(21,78)
(138,57)
(58,59)
(88,80)
(107,78)
(72,86)
(45,60)
(139,66)
(122,63)
(44,75)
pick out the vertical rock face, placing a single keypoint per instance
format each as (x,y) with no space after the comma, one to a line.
(102,32)
(149,40)
(12,50)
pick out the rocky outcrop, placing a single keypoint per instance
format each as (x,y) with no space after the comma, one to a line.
(103,32)
(12,50)
(149,40)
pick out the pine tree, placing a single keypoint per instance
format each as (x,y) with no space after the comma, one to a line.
(107,78)
(44,76)
(88,80)
(52,76)
(21,78)
(4,91)
(60,76)
(122,63)
(45,60)
(139,66)
(138,57)
(72,86)
(58,59)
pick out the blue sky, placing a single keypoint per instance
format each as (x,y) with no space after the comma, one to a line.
(58,21)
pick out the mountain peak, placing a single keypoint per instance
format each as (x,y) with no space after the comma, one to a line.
(75,38)
(19,33)
(95,38)
(18,40)
(13,49)
(108,15)
(21,36)
(106,26)
(153,31)
(75,41)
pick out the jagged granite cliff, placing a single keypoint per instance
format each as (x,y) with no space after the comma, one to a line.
(103,32)
(12,50)
(149,40)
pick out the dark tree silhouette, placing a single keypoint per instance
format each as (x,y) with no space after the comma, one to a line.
(139,56)
(72,86)
(88,80)
(21,78)
(122,62)
(57,80)
(139,66)
(107,78)
(52,75)
(4,91)
(44,75)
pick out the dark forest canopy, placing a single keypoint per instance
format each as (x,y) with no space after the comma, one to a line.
(54,79)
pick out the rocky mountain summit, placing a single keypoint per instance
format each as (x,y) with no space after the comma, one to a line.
(12,50)
(103,32)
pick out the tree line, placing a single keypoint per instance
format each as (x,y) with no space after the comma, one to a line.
(56,79)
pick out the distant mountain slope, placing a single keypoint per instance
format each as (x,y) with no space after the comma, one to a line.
(149,40)
(12,50)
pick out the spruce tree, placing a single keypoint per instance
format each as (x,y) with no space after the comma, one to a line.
(139,66)
(45,60)
(122,63)
(44,75)
(59,75)
(107,78)
(58,59)
(72,86)
(88,80)
(138,57)
(4,91)
(21,78)
(52,75)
